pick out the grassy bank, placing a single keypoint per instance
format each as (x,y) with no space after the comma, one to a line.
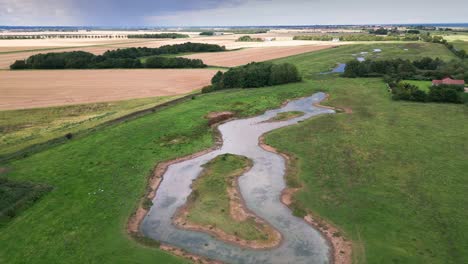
(391,175)
(18,196)
(209,203)
(22,128)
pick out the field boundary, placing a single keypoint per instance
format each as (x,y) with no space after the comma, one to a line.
(35,148)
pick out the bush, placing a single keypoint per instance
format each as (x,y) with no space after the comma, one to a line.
(19,65)
(446,93)
(408,92)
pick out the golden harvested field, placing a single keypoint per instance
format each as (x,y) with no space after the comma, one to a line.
(43,88)
(244,56)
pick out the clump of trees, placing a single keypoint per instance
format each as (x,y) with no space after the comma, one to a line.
(249,39)
(85,60)
(440,93)
(399,69)
(122,58)
(167,49)
(379,31)
(159,36)
(413,31)
(254,75)
(207,33)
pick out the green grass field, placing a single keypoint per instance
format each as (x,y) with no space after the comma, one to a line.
(461,44)
(209,202)
(325,60)
(23,128)
(391,175)
(18,196)
(422,85)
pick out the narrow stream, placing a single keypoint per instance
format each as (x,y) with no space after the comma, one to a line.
(260,187)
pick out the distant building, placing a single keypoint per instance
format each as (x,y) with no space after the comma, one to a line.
(448,81)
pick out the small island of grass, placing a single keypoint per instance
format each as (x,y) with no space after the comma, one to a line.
(215,206)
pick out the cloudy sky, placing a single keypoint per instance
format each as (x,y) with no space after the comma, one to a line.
(228,12)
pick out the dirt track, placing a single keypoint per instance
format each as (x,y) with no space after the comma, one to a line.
(30,89)
(244,56)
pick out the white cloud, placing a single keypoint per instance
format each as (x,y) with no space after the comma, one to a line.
(37,12)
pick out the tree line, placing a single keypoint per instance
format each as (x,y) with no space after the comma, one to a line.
(254,75)
(159,36)
(167,49)
(122,58)
(440,94)
(399,69)
(359,37)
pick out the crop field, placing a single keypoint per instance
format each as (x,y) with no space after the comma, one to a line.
(42,88)
(244,56)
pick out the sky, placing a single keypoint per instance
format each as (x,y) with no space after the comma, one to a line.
(134,13)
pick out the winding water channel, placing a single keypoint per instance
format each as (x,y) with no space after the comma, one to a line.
(260,187)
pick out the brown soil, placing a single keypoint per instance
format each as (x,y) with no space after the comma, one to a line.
(217,117)
(239,212)
(44,88)
(194,258)
(244,56)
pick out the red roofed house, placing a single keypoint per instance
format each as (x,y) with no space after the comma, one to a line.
(448,81)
